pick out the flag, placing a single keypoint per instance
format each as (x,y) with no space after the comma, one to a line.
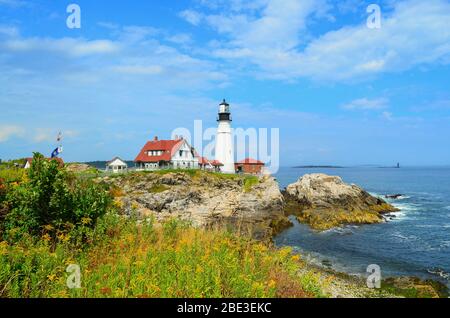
(56,152)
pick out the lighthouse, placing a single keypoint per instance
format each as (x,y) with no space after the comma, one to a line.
(224,139)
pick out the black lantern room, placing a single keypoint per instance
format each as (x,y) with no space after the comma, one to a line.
(224,112)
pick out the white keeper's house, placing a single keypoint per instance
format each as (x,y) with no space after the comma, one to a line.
(116,165)
(167,154)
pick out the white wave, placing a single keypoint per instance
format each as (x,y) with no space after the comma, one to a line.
(428,226)
(447,208)
(439,272)
(383,196)
(406,210)
(404,236)
(342,230)
(444,244)
(395,216)
(408,207)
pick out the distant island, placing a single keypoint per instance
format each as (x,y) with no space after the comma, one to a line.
(312,166)
(396,166)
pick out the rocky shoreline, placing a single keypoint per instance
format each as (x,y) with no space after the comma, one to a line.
(256,206)
(252,205)
(342,285)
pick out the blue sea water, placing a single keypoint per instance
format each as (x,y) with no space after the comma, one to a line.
(414,243)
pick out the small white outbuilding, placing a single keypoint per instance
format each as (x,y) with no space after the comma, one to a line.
(116,165)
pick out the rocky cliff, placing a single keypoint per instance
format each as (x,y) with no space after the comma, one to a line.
(246,204)
(325,202)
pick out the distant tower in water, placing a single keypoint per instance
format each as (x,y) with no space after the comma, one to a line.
(224,139)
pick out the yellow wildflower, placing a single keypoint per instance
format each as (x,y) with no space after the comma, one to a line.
(86,220)
(134,206)
(118,203)
(295,258)
(271,283)
(138,263)
(3,248)
(69,262)
(48,227)
(63,294)
(46,237)
(260,248)
(285,251)
(199,269)
(51,277)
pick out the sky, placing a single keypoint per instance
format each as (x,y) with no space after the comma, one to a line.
(339,92)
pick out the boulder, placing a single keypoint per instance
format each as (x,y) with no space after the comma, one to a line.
(325,202)
(393,196)
(79,167)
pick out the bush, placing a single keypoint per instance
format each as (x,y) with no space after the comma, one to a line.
(2,191)
(53,201)
(3,208)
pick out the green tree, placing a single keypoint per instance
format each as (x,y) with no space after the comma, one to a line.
(53,198)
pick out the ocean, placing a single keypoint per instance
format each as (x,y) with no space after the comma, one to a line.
(415,243)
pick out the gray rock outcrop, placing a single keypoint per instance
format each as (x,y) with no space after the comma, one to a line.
(325,202)
(245,204)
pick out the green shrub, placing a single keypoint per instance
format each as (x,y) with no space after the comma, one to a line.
(158,188)
(2,191)
(52,201)
(249,182)
(12,175)
(3,208)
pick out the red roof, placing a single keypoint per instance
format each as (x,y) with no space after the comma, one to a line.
(168,147)
(203,161)
(216,163)
(250,161)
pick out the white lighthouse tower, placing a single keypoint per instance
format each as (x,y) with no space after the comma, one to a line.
(224,139)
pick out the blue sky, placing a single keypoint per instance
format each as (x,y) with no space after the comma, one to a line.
(339,92)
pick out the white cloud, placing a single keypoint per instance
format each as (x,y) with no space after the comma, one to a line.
(44,134)
(387,116)
(139,69)
(8,31)
(67,46)
(367,104)
(413,33)
(132,51)
(50,135)
(181,38)
(12,3)
(276,28)
(191,16)
(8,131)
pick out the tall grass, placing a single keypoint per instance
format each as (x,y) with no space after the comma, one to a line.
(12,175)
(127,259)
